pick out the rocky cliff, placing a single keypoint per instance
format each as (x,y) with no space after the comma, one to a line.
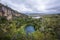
(10,13)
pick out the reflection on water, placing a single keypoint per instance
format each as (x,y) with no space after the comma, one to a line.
(29,29)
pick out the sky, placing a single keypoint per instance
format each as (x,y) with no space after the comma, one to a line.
(34,6)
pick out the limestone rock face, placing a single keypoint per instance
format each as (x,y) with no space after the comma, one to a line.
(9,13)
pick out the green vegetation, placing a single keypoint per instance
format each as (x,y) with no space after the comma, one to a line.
(14,29)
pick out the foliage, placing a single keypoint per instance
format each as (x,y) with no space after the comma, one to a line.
(51,25)
(14,29)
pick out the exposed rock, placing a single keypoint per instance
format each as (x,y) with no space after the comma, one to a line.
(9,13)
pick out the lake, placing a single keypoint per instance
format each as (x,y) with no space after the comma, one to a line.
(29,29)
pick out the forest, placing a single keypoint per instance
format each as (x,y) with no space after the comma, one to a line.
(46,28)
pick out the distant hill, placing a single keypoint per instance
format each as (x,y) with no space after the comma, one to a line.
(41,14)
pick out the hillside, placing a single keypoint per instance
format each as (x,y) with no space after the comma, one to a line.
(10,13)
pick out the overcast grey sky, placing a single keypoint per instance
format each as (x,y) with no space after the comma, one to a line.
(34,6)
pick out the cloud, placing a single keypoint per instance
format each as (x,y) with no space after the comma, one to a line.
(44,6)
(32,6)
(21,7)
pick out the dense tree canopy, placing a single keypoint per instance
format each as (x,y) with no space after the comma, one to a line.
(46,28)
